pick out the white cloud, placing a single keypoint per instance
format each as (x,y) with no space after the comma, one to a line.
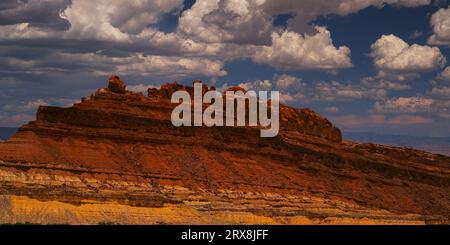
(288,82)
(170,66)
(293,51)
(137,64)
(106,20)
(292,90)
(405,105)
(114,19)
(392,55)
(220,21)
(440,21)
(445,74)
(221,29)
(250,21)
(443,91)
(294,97)
(374,82)
(258,85)
(336,91)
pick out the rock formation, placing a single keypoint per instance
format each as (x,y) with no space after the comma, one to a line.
(115,157)
(116,85)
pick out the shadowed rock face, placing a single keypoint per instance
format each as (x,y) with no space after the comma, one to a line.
(116,85)
(302,121)
(119,149)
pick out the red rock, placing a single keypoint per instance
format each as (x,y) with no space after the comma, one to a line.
(166,90)
(235,89)
(113,135)
(116,85)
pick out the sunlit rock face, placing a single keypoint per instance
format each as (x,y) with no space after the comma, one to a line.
(116,157)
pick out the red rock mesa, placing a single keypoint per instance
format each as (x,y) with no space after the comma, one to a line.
(115,157)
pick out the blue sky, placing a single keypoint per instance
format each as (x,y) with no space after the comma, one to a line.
(376,66)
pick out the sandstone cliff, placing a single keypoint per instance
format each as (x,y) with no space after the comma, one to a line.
(115,157)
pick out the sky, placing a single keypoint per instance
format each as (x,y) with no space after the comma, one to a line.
(379,66)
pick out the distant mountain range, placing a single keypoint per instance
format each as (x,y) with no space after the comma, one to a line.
(6,133)
(439,145)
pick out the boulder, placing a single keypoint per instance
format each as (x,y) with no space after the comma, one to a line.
(116,85)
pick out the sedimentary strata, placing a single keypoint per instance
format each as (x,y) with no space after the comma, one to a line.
(116,157)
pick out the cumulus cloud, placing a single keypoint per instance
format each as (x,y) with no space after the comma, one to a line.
(288,82)
(115,19)
(118,28)
(225,30)
(87,20)
(219,21)
(294,97)
(440,22)
(336,91)
(393,56)
(445,74)
(405,105)
(170,66)
(41,40)
(374,82)
(258,85)
(294,51)
(294,90)
(433,104)
(442,91)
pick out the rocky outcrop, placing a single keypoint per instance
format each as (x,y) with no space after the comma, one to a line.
(116,85)
(120,153)
(166,90)
(303,121)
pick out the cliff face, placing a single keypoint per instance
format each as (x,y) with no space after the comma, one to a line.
(116,157)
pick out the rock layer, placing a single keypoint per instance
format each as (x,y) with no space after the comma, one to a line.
(118,150)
